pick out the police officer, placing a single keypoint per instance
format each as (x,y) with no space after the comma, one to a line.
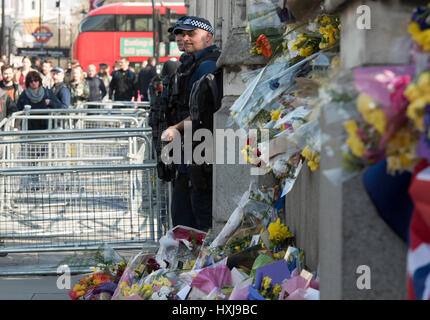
(165,105)
(192,187)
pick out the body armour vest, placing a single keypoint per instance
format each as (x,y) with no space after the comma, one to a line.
(180,95)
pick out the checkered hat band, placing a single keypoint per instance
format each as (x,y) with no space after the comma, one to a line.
(199,24)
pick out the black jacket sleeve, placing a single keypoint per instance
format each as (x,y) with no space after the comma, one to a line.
(10,106)
(54,103)
(102,88)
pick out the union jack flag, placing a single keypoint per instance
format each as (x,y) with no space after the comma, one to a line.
(419,242)
(94,4)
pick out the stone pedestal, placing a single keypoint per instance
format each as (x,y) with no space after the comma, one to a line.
(387,40)
(352,234)
(302,215)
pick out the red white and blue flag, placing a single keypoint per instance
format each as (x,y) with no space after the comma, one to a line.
(94,4)
(419,242)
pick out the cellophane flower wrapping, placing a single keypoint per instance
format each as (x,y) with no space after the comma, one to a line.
(210,278)
(263,92)
(263,18)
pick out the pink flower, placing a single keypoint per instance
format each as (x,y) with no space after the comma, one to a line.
(399,101)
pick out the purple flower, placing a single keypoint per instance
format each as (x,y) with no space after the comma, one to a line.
(420,16)
(106,287)
(423,149)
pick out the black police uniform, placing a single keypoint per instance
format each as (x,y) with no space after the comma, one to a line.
(192,186)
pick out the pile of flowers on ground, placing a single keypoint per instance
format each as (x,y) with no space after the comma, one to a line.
(253,258)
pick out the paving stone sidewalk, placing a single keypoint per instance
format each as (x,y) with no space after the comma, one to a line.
(33,276)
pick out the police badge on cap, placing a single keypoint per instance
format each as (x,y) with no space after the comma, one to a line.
(193,23)
(177,23)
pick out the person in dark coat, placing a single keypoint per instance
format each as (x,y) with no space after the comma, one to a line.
(13,89)
(7,106)
(145,77)
(60,89)
(123,84)
(96,85)
(37,97)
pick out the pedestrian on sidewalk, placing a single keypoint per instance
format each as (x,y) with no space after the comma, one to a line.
(7,84)
(122,86)
(37,97)
(145,77)
(79,88)
(60,89)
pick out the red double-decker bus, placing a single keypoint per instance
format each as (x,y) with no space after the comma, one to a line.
(122,30)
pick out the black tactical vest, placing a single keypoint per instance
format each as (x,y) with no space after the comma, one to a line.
(180,95)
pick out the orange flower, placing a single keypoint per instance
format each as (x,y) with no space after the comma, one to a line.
(101,277)
(264,43)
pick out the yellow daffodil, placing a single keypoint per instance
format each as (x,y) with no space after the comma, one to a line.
(424,82)
(418,95)
(371,112)
(80,293)
(312,157)
(266,283)
(393,164)
(400,151)
(354,142)
(416,109)
(325,19)
(134,289)
(162,282)
(275,114)
(306,52)
(279,231)
(356,145)
(78,287)
(277,289)
(412,92)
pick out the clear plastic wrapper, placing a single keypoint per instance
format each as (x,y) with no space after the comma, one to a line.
(265,90)
(132,274)
(308,134)
(338,176)
(289,182)
(250,76)
(263,18)
(232,224)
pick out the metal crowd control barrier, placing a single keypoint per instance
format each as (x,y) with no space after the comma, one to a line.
(74,190)
(116,104)
(79,118)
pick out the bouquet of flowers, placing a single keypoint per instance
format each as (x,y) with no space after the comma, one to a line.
(419,27)
(92,286)
(265,27)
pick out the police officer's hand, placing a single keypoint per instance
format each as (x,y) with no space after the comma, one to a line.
(169,134)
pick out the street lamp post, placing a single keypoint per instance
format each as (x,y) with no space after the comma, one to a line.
(58,5)
(154,30)
(3,29)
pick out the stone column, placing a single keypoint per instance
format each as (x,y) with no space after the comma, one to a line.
(351,233)
(231,181)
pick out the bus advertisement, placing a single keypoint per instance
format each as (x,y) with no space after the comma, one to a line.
(123,30)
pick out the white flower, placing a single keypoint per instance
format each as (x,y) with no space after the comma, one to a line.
(313,27)
(158,296)
(164,291)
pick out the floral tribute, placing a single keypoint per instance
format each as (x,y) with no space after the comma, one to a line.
(252,257)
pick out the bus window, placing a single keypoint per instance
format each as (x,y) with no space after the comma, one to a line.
(98,23)
(134,23)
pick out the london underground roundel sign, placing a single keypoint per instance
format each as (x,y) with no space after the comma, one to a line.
(42,34)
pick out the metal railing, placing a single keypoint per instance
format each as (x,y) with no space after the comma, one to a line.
(79,188)
(79,118)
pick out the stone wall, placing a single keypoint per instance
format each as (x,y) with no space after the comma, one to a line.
(336,225)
